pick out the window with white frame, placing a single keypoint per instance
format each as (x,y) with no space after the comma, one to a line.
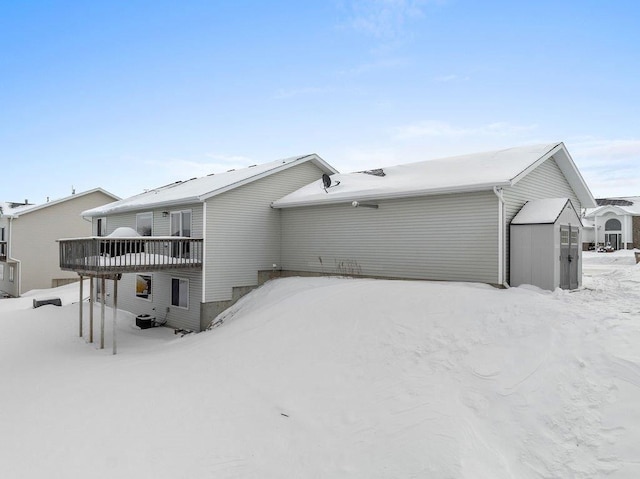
(1,272)
(180,292)
(144,223)
(180,225)
(2,233)
(12,270)
(143,286)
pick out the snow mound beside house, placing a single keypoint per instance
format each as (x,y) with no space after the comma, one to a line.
(330,377)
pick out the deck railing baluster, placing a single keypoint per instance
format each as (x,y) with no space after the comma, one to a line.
(123,255)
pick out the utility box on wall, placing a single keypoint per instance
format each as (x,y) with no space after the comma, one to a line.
(545,245)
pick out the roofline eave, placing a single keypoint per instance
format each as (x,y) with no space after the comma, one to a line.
(393,196)
(142,208)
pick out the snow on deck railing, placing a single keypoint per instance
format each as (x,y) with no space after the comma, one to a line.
(104,255)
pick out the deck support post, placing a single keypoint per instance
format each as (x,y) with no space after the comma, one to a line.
(103,294)
(80,308)
(91,301)
(115,310)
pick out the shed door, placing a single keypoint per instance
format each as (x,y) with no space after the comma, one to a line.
(569,238)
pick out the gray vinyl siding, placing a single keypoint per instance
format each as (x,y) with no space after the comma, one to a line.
(176,317)
(35,234)
(546,181)
(7,286)
(161,223)
(444,237)
(161,285)
(243,233)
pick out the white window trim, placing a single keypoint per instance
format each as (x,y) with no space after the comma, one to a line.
(181,225)
(1,272)
(188,293)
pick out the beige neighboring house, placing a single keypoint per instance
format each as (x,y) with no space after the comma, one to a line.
(29,253)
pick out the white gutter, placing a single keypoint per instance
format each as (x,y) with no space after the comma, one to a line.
(377,195)
(501,236)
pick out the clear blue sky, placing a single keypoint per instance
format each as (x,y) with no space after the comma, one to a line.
(133,94)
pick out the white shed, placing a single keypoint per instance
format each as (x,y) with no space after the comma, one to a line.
(545,245)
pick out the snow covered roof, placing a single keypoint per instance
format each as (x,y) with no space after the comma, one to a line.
(465,173)
(542,211)
(12,210)
(619,205)
(200,189)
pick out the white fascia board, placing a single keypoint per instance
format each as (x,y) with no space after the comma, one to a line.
(537,163)
(141,207)
(63,200)
(394,196)
(569,170)
(603,210)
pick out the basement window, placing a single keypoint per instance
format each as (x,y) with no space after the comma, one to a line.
(143,286)
(180,292)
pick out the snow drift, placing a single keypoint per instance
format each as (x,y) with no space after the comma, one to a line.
(330,377)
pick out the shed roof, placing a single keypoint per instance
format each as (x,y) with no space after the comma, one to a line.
(199,189)
(8,209)
(465,173)
(542,211)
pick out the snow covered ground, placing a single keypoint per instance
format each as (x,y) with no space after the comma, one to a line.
(331,378)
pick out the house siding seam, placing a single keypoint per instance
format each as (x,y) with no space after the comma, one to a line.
(546,181)
(243,231)
(415,238)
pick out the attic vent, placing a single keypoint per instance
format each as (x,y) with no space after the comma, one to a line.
(377,172)
(613,202)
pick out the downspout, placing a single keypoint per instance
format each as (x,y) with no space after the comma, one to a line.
(501,236)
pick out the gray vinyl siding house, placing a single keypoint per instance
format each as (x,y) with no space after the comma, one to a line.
(229,214)
(158,303)
(442,219)
(28,234)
